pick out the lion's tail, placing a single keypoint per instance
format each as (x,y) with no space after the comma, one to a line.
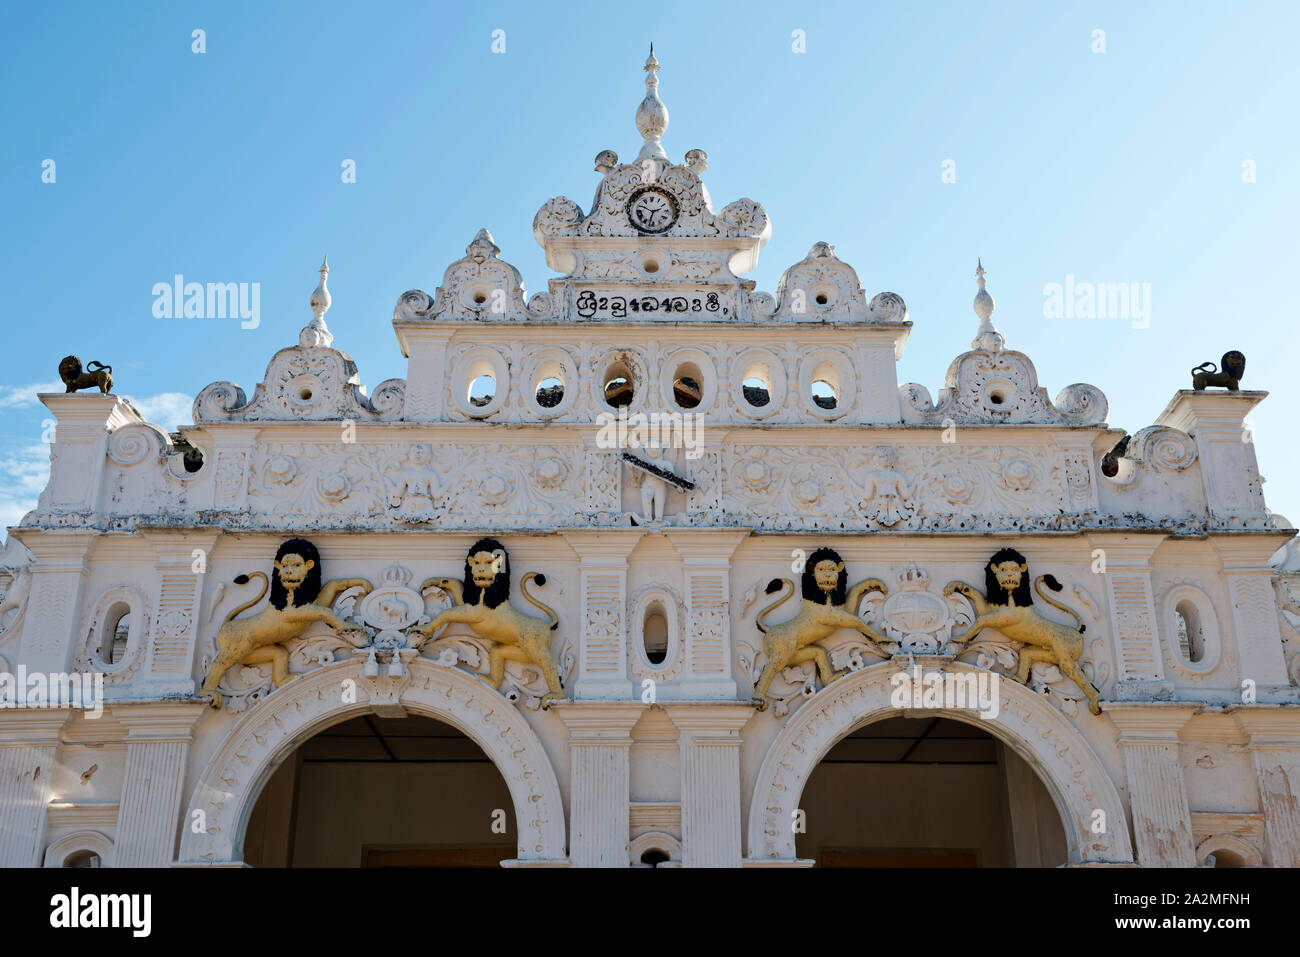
(92,362)
(244,580)
(544,609)
(773,586)
(1205,367)
(1054,585)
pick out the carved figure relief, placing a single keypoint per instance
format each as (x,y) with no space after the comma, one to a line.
(297,600)
(886,493)
(1007,605)
(482,601)
(413,493)
(827,605)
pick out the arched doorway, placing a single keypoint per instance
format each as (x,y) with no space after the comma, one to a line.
(383,792)
(927,792)
(1088,804)
(252,750)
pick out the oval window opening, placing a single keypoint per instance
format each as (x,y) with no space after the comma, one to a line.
(619,388)
(654,634)
(550,391)
(756,385)
(654,857)
(824,395)
(1191,636)
(482,390)
(686,385)
(82,859)
(117,632)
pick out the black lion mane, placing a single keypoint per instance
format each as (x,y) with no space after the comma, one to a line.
(809,581)
(995,592)
(305,593)
(499,591)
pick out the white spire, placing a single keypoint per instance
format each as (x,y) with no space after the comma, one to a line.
(652,115)
(315,333)
(987,338)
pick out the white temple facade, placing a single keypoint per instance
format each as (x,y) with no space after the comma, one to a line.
(659,693)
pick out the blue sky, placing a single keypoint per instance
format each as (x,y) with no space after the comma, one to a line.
(1122,166)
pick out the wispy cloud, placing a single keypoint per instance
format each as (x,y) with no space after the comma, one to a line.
(24,470)
(166,409)
(21,396)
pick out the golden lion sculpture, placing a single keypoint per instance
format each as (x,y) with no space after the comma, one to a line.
(482,601)
(297,599)
(98,377)
(828,604)
(1006,574)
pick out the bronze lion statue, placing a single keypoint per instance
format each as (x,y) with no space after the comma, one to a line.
(1232,367)
(98,377)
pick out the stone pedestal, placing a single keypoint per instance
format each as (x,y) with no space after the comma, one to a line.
(425,345)
(710,749)
(157,745)
(1225,447)
(54,605)
(29,744)
(1162,821)
(599,794)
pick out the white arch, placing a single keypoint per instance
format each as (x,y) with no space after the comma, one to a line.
(1249,853)
(266,735)
(1071,770)
(70,844)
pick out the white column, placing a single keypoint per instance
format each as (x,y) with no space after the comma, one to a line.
(1133,620)
(179,590)
(603,643)
(29,744)
(1253,604)
(710,750)
(1162,820)
(53,615)
(157,748)
(599,792)
(1274,736)
(706,568)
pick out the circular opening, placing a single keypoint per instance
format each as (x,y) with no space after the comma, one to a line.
(192,460)
(820,298)
(686,385)
(304,393)
(619,387)
(1191,637)
(1224,858)
(482,390)
(996,397)
(82,859)
(654,634)
(824,394)
(550,391)
(650,265)
(480,298)
(654,857)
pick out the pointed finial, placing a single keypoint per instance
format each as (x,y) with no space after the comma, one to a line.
(315,333)
(987,338)
(652,115)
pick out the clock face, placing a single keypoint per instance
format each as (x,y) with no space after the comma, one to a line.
(652,210)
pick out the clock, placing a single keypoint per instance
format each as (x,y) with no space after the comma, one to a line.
(651,210)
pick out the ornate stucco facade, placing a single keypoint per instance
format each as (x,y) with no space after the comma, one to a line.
(518,421)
